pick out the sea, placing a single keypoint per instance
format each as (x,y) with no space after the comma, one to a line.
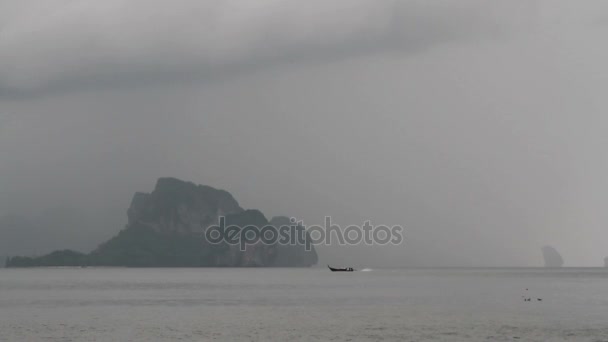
(303,304)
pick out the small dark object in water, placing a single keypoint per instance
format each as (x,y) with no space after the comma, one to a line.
(539,299)
(347,269)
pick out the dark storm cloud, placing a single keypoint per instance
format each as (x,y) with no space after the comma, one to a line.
(62,46)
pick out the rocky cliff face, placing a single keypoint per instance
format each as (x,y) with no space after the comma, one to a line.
(166,229)
(256,255)
(552,257)
(180,207)
(178,210)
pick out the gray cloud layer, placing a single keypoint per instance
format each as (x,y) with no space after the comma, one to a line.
(478,125)
(66,45)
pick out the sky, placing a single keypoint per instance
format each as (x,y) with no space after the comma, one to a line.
(478,126)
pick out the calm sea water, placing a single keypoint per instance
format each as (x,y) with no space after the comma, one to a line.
(97,304)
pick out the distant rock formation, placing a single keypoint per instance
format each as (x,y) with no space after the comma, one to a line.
(58,258)
(166,229)
(552,257)
(180,207)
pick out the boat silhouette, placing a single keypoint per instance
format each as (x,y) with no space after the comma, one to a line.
(346,269)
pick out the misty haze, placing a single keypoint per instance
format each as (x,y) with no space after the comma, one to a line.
(304,170)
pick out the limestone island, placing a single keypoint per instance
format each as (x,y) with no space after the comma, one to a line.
(166,229)
(552,257)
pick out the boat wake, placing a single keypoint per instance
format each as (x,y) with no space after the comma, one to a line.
(366,270)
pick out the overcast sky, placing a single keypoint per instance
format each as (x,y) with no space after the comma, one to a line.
(480,126)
